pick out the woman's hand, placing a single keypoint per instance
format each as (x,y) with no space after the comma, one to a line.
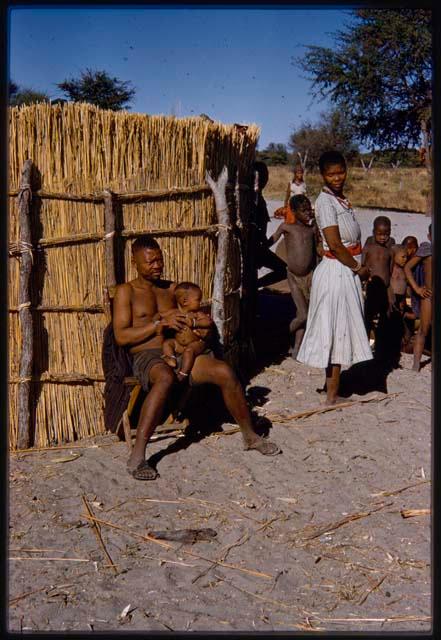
(424,292)
(364,273)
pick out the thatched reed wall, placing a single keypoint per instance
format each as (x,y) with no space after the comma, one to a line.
(79,151)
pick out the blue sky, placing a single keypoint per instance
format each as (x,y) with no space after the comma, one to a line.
(232,64)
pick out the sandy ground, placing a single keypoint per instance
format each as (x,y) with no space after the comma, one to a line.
(311,539)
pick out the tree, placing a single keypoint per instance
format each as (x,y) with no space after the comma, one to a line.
(19,96)
(274,154)
(333,131)
(98,88)
(379,73)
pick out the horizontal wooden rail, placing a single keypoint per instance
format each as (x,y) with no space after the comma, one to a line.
(91,308)
(130,197)
(61,378)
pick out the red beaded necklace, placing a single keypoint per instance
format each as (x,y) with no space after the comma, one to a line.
(343,201)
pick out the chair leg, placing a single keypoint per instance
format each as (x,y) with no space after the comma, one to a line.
(127,431)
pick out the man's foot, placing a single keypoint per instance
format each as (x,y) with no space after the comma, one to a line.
(265,447)
(143,471)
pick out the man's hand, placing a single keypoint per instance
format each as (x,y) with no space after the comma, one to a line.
(173,319)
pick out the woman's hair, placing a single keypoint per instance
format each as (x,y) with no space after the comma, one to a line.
(409,239)
(331,157)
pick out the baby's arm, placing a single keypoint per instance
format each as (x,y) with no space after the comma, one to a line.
(169,353)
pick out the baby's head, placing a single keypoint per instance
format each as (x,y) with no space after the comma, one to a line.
(188,296)
(302,209)
(381,231)
(411,245)
(399,254)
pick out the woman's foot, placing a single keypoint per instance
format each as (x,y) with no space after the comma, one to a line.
(143,471)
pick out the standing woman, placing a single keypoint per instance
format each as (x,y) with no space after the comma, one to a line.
(335,333)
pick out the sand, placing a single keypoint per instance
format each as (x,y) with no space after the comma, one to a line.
(312,539)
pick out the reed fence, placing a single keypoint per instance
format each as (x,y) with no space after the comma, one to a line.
(83,182)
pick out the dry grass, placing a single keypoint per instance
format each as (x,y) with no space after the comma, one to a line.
(80,149)
(388,188)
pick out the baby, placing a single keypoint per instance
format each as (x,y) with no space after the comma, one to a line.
(181,350)
(302,244)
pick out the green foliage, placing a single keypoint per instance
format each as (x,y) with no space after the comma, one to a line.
(274,154)
(333,131)
(19,96)
(387,157)
(98,88)
(379,73)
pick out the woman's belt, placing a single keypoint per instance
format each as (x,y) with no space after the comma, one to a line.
(354,250)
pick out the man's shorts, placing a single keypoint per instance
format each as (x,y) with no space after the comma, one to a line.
(143,361)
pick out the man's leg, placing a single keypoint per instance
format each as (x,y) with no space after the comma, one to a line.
(278,269)
(423,330)
(208,370)
(161,379)
(297,326)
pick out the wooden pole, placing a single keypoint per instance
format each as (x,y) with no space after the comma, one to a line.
(109,239)
(24,311)
(218,188)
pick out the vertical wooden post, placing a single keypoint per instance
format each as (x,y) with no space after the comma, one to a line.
(109,239)
(24,311)
(218,305)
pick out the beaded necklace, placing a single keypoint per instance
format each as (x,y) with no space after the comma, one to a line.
(343,201)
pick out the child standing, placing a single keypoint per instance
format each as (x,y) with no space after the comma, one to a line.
(297,186)
(422,256)
(301,244)
(377,256)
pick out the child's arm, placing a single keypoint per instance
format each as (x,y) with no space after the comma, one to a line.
(288,194)
(318,242)
(276,235)
(423,291)
(364,254)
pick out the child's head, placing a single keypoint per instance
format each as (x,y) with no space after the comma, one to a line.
(188,296)
(411,245)
(298,173)
(262,176)
(382,228)
(302,209)
(400,254)
(333,169)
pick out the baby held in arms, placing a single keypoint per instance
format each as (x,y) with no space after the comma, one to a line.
(181,350)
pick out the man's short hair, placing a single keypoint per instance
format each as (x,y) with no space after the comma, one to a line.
(144,242)
(382,220)
(331,157)
(187,286)
(299,203)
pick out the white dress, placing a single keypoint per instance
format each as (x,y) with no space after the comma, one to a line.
(335,331)
(297,189)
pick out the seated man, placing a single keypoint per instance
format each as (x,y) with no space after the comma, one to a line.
(135,305)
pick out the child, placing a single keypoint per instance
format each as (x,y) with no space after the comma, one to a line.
(297,186)
(301,242)
(377,256)
(382,221)
(411,244)
(422,256)
(191,341)
(398,282)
